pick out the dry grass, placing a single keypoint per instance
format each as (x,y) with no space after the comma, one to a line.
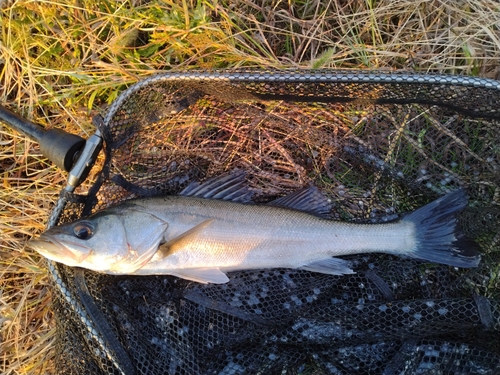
(63,61)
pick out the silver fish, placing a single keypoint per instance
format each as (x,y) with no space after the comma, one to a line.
(206,231)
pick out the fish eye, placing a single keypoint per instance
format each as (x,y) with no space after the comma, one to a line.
(83,230)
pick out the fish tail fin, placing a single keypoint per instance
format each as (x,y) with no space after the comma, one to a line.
(438,237)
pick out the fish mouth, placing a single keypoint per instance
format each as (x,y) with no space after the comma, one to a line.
(58,252)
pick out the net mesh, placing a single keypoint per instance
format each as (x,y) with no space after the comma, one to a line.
(378,145)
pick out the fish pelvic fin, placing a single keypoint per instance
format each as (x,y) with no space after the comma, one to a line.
(438,236)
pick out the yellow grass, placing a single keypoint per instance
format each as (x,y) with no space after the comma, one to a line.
(63,61)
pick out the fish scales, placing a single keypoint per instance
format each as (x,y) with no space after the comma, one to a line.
(242,236)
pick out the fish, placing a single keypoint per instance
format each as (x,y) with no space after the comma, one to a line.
(213,228)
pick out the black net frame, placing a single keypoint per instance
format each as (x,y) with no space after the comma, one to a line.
(379,144)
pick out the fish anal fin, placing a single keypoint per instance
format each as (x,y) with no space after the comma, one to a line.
(164,249)
(202,275)
(308,199)
(330,266)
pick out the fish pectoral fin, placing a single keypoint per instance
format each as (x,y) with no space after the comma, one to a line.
(202,275)
(164,249)
(330,266)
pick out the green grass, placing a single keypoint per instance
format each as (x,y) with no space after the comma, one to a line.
(62,62)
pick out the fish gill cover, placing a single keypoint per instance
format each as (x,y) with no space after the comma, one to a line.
(378,145)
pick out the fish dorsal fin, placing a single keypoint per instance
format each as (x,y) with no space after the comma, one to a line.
(164,248)
(308,199)
(202,275)
(229,187)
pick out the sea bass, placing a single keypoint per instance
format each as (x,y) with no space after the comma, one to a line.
(211,229)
